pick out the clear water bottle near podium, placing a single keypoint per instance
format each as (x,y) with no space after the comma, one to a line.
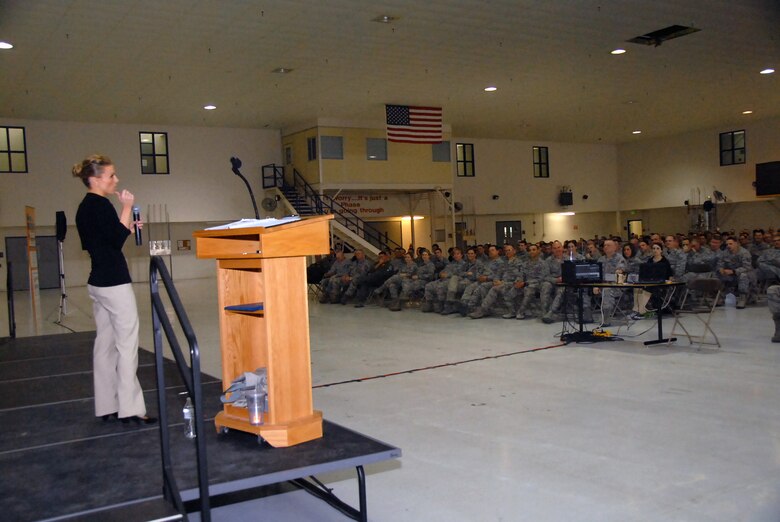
(189,419)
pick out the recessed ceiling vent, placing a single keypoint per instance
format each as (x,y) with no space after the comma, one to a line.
(658,37)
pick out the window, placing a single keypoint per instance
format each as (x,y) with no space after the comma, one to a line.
(732,148)
(464,158)
(154,153)
(13,150)
(288,155)
(441,151)
(541,162)
(311,147)
(332,147)
(376,149)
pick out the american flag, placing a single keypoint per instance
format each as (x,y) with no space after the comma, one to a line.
(407,124)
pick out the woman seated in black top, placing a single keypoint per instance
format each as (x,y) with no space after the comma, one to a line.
(659,259)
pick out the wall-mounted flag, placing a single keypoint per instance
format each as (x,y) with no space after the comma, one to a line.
(407,124)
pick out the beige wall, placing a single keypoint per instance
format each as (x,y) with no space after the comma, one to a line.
(407,165)
(665,172)
(505,168)
(201,187)
(310,170)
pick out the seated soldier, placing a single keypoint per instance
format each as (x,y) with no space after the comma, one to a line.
(553,293)
(394,283)
(422,276)
(503,287)
(360,267)
(436,290)
(735,269)
(534,275)
(773,300)
(491,271)
(377,275)
(332,281)
(612,263)
(769,262)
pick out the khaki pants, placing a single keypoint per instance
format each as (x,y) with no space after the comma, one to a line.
(641,297)
(115,353)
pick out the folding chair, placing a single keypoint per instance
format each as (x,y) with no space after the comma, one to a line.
(709,289)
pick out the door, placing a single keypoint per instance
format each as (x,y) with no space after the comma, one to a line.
(634,227)
(508,232)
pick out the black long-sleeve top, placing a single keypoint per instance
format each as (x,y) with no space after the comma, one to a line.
(669,272)
(102,235)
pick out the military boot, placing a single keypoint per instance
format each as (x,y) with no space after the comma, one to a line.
(426,307)
(437,307)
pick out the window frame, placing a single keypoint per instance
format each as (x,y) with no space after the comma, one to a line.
(465,167)
(311,148)
(731,149)
(541,165)
(9,151)
(155,154)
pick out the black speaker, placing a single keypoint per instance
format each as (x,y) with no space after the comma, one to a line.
(565,199)
(62,225)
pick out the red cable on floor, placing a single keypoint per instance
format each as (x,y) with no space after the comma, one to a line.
(487,357)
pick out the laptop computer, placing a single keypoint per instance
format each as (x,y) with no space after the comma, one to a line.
(574,272)
(652,273)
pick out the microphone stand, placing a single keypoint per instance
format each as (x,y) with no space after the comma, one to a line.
(235,165)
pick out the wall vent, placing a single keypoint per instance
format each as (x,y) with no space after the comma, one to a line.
(658,37)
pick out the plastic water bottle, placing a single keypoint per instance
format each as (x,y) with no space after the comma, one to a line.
(189,419)
(731,300)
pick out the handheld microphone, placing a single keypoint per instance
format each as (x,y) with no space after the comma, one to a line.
(136,218)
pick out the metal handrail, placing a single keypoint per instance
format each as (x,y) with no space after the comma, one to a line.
(190,374)
(272,176)
(9,286)
(323,204)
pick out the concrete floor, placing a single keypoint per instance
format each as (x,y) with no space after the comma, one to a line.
(604,432)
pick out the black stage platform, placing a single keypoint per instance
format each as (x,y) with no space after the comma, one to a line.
(57,461)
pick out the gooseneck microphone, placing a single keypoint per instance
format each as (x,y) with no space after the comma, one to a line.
(136,218)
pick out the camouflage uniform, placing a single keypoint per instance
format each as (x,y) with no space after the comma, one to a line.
(742,266)
(513,271)
(422,276)
(704,256)
(436,291)
(677,259)
(535,275)
(769,265)
(476,291)
(773,300)
(357,272)
(394,284)
(332,281)
(611,296)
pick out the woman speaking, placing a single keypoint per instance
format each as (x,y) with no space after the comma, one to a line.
(118,393)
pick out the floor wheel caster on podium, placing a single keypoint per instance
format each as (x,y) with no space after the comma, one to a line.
(223,430)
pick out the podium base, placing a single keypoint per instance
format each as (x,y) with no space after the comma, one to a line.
(277,435)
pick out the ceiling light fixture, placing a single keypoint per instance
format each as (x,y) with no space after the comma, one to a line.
(617,51)
(384,19)
(491,88)
(636,132)
(747,112)
(282,70)
(6,45)
(767,71)
(209,107)
(565,213)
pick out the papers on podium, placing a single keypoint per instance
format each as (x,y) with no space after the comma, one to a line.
(250,223)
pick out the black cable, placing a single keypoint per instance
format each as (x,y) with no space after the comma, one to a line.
(436,366)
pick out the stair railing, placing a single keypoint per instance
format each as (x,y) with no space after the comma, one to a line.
(190,375)
(323,204)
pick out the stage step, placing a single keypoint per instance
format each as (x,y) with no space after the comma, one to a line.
(153,510)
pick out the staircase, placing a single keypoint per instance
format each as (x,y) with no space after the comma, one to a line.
(346,225)
(297,201)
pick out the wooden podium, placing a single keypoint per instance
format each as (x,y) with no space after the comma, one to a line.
(268,266)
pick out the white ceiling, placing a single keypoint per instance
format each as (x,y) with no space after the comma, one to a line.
(160,62)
